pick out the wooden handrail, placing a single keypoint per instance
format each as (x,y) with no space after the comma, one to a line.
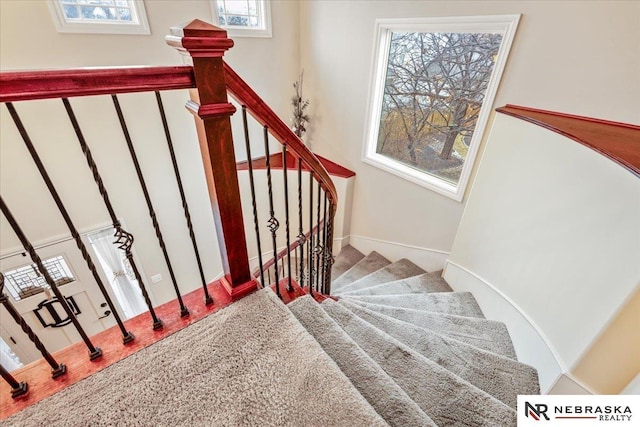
(242,92)
(617,141)
(45,84)
(275,161)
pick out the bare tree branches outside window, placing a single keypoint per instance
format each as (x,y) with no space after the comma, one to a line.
(434,88)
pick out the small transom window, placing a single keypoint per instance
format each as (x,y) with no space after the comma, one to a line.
(27,281)
(435,80)
(100,16)
(243,18)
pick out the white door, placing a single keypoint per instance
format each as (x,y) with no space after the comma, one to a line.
(45,316)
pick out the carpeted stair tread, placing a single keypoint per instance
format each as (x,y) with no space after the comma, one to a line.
(456,303)
(347,258)
(367,265)
(242,367)
(423,283)
(485,334)
(445,397)
(501,377)
(395,271)
(366,375)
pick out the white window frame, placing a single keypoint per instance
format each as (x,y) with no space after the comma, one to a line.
(264,29)
(502,24)
(139,25)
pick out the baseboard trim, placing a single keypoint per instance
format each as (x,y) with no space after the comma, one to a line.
(568,384)
(427,258)
(532,345)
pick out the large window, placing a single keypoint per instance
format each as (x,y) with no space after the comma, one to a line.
(243,18)
(434,84)
(100,16)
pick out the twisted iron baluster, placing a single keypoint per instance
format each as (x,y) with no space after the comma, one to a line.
(329,259)
(185,206)
(17,388)
(127,336)
(112,214)
(94,352)
(301,237)
(56,368)
(324,244)
(124,241)
(286,215)
(253,192)
(184,311)
(318,248)
(272,223)
(310,245)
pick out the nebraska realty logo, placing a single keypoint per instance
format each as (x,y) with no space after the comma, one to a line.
(578,411)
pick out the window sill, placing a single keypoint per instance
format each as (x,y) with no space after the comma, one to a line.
(423,179)
(246,32)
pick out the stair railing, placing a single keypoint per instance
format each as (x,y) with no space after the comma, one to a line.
(209,79)
(205,45)
(315,273)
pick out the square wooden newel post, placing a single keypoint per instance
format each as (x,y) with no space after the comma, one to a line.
(204,45)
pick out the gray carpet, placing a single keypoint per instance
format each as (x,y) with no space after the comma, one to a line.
(250,364)
(346,259)
(444,396)
(367,265)
(456,303)
(485,334)
(369,378)
(501,377)
(420,284)
(394,271)
(399,348)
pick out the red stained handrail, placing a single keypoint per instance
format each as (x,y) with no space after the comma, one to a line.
(617,141)
(46,84)
(267,117)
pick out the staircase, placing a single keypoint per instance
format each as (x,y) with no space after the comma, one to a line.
(400,329)
(398,348)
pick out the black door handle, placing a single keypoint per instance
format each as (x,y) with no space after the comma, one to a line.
(106,314)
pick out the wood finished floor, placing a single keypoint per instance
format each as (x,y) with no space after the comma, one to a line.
(76,358)
(38,374)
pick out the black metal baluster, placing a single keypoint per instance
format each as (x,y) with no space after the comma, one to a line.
(324,244)
(310,245)
(301,238)
(94,352)
(318,248)
(329,252)
(273,223)
(17,388)
(184,311)
(207,297)
(127,336)
(286,214)
(253,192)
(124,240)
(57,369)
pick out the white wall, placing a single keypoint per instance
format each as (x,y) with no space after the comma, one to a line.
(28,40)
(580,58)
(552,228)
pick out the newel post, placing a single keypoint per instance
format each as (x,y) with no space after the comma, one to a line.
(205,44)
